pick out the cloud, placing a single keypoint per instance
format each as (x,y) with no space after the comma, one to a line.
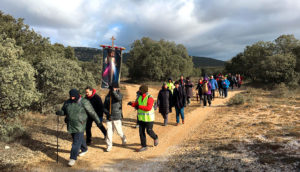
(215,28)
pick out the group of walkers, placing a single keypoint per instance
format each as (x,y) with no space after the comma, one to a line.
(81,112)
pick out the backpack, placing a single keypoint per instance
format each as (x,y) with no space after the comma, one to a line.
(205,88)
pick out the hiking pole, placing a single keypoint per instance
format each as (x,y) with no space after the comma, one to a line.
(57,139)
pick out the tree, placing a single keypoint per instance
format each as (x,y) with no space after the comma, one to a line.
(57,76)
(158,60)
(17,82)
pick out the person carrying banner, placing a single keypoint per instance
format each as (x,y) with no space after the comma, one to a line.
(146,116)
(97,104)
(77,110)
(113,111)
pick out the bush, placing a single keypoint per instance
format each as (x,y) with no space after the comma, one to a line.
(57,76)
(17,82)
(237,99)
(11,129)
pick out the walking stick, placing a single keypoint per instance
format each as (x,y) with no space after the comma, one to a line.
(57,139)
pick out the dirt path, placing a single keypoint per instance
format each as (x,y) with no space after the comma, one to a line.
(125,157)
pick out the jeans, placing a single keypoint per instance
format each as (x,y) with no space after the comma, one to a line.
(89,124)
(78,144)
(181,112)
(225,92)
(148,126)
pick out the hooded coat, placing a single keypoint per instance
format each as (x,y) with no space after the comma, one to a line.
(164,101)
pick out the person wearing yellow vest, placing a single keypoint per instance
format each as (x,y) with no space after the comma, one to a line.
(170,85)
(146,116)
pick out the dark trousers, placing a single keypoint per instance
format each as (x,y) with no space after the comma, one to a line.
(89,124)
(148,126)
(225,91)
(188,99)
(206,99)
(78,144)
(212,94)
(200,97)
(221,92)
(165,116)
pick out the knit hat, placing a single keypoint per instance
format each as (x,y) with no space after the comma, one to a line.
(74,93)
(144,89)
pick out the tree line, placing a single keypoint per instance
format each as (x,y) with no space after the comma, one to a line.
(269,62)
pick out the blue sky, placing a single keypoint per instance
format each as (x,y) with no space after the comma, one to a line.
(213,28)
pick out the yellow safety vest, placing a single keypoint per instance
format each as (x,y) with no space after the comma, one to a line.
(145,116)
(171,86)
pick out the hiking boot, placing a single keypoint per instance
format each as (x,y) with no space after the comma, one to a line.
(124,140)
(177,124)
(108,148)
(156,142)
(142,149)
(71,162)
(182,122)
(82,153)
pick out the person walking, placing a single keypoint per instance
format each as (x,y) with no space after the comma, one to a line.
(97,104)
(221,90)
(206,90)
(146,116)
(113,111)
(164,102)
(225,86)
(214,86)
(189,90)
(170,85)
(77,110)
(199,89)
(179,102)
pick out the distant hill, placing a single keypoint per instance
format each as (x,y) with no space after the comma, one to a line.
(207,62)
(87,54)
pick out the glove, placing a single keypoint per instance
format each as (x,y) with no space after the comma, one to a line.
(129,103)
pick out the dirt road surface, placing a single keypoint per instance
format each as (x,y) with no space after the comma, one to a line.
(125,158)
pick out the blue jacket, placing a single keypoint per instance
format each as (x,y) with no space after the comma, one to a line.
(214,84)
(225,83)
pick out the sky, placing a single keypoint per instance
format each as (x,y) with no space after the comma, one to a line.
(218,29)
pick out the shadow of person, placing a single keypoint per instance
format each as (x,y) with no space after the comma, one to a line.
(47,148)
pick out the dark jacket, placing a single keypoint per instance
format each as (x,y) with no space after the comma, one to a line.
(199,88)
(77,113)
(116,106)
(164,101)
(96,102)
(179,98)
(189,89)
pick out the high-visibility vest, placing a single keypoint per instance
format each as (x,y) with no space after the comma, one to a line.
(145,116)
(171,86)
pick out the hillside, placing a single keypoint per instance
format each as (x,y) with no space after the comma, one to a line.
(87,54)
(207,62)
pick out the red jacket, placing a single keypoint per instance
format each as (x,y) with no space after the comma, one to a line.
(149,103)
